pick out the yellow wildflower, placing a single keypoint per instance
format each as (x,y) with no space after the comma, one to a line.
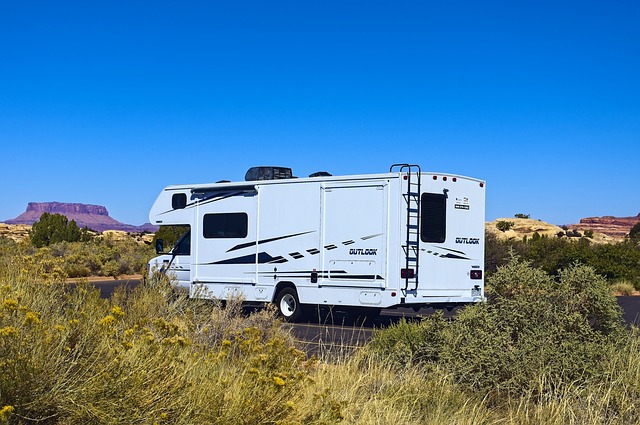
(117,311)
(278,381)
(8,331)
(10,304)
(108,320)
(31,319)
(5,413)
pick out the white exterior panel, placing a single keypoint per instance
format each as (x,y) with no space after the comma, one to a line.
(336,240)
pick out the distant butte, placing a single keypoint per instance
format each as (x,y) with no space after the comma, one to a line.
(95,217)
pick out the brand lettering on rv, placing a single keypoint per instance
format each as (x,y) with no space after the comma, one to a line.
(360,251)
(468,241)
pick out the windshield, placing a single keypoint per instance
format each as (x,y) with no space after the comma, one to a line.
(183,246)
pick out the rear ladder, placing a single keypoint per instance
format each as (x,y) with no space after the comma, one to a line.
(412,246)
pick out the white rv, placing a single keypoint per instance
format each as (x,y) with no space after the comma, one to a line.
(403,238)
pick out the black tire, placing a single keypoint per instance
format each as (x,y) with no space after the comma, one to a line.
(288,305)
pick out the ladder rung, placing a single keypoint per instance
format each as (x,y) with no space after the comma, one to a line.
(414,210)
(412,226)
(413,194)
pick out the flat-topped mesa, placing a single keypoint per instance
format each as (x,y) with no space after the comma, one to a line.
(95,217)
(66,208)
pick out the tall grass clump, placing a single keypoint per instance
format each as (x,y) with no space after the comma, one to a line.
(68,356)
(539,348)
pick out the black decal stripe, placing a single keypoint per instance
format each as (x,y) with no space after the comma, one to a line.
(453,256)
(453,250)
(342,274)
(364,238)
(278,260)
(263,241)
(261,258)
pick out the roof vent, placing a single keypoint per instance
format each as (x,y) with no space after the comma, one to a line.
(268,173)
(320,174)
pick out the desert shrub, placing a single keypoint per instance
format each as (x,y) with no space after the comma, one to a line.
(634,233)
(410,343)
(622,287)
(519,215)
(70,357)
(53,228)
(504,225)
(533,326)
(614,261)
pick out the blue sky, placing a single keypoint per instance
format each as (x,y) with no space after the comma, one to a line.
(108,102)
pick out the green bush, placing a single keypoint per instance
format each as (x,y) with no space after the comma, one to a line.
(533,326)
(504,225)
(53,228)
(614,260)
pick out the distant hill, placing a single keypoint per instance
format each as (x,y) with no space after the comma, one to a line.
(95,217)
(605,229)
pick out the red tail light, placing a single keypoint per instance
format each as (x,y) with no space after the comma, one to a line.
(407,273)
(475,274)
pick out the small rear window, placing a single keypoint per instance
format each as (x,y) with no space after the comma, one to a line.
(179,201)
(433,220)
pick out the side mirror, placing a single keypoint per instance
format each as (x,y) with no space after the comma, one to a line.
(159,246)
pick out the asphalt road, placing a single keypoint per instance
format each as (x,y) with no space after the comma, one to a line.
(335,333)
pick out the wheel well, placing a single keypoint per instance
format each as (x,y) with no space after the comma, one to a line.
(280,286)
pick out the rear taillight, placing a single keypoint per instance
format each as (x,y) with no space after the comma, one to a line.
(407,273)
(475,274)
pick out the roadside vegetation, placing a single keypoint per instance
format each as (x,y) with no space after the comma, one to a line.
(58,249)
(548,347)
(618,262)
(543,349)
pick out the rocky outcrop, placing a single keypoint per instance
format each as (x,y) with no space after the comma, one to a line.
(95,217)
(524,227)
(15,232)
(617,227)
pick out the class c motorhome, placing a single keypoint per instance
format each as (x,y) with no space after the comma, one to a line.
(404,238)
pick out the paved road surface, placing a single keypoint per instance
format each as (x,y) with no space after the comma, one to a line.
(322,336)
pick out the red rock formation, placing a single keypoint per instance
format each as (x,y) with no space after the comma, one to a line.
(617,227)
(95,217)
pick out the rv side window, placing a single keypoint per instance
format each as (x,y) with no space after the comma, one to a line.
(433,220)
(227,225)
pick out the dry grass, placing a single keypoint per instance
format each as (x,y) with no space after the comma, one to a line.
(151,356)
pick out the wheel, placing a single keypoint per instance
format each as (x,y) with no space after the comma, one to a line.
(288,304)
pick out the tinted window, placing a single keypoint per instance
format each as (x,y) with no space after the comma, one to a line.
(179,201)
(228,225)
(433,220)
(183,246)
